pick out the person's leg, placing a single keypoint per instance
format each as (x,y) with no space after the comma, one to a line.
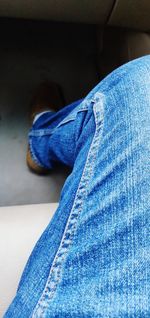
(92,259)
(46,101)
(49,132)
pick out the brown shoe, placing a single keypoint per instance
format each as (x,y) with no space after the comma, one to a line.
(47,96)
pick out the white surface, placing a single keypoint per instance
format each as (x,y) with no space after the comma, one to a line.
(20,228)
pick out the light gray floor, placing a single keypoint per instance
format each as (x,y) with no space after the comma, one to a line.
(29,54)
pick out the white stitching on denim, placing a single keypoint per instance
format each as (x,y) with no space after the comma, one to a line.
(33,156)
(47,131)
(73,115)
(55,271)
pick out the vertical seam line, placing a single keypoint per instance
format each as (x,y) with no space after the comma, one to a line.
(55,271)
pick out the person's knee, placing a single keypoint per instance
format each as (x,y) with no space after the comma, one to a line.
(127,95)
(135,73)
(135,96)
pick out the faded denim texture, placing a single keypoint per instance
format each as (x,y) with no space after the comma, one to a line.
(93,258)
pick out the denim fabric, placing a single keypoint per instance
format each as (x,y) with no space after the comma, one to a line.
(93,258)
(40,114)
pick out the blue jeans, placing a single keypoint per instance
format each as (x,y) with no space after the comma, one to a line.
(93,258)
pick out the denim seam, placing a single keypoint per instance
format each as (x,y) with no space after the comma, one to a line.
(41,132)
(33,156)
(73,117)
(56,268)
(48,132)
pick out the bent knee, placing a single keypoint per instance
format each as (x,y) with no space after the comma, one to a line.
(136,72)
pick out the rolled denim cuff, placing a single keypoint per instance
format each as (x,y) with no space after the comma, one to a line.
(32,153)
(38,147)
(42,113)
